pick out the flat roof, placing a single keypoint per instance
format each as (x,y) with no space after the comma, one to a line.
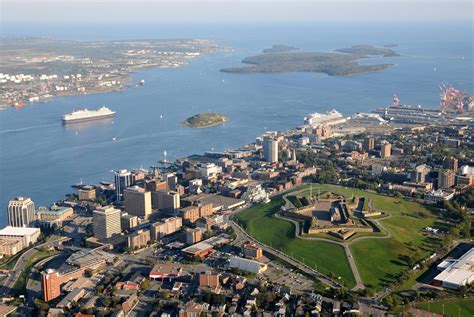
(6,309)
(459,271)
(216,200)
(197,248)
(165,269)
(18,231)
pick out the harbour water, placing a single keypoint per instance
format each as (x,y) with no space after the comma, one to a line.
(41,158)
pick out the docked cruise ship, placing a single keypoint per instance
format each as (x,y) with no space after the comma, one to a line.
(80,115)
(329,118)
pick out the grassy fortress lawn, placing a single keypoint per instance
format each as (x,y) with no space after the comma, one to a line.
(280,234)
(379,261)
(463,308)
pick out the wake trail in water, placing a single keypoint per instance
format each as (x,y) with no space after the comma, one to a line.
(27,128)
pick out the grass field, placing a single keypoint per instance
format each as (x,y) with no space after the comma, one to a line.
(280,234)
(386,256)
(463,308)
(406,221)
(11,262)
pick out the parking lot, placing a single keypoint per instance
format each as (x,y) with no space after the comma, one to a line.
(282,275)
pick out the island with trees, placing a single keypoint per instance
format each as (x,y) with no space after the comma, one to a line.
(342,62)
(280,48)
(205,120)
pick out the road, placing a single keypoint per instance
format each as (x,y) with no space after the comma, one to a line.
(22,260)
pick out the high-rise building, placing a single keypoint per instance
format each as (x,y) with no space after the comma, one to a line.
(270,150)
(137,201)
(385,150)
(21,212)
(446,179)
(451,163)
(167,201)
(369,143)
(106,223)
(419,174)
(123,179)
(51,284)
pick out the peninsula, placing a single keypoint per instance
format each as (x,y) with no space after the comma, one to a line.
(342,62)
(205,120)
(35,69)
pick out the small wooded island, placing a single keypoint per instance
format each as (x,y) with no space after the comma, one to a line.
(205,120)
(342,62)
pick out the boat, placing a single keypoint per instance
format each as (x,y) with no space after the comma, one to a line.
(323,118)
(142,82)
(20,105)
(80,115)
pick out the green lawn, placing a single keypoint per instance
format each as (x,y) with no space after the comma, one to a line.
(378,260)
(406,221)
(463,308)
(280,234)
(11,262)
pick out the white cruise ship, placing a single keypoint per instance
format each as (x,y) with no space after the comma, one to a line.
(320,118)
(80,115)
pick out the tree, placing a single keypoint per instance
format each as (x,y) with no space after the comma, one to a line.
(145,284)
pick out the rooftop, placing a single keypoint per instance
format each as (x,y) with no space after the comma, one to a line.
(197,248)
(459,271)
(18,231)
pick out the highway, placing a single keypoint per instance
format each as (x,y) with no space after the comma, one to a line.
(22,260)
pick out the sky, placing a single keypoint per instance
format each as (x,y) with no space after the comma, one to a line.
(231,11)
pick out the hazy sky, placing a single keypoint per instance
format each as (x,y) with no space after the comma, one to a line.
(178,11)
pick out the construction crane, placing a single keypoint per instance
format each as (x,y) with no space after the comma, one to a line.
(453,99)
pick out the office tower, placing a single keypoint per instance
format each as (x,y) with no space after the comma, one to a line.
(369,143)
(385,150)
(123,179)
(419,175)
(137,201)
(106,223)
(270,150)
(165,200)
(21,212)
(446,179)
(451,163)
(51,284)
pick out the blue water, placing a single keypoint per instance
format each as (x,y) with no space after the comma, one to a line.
(41,158)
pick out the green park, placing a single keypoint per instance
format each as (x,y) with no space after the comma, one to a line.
(380,260)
